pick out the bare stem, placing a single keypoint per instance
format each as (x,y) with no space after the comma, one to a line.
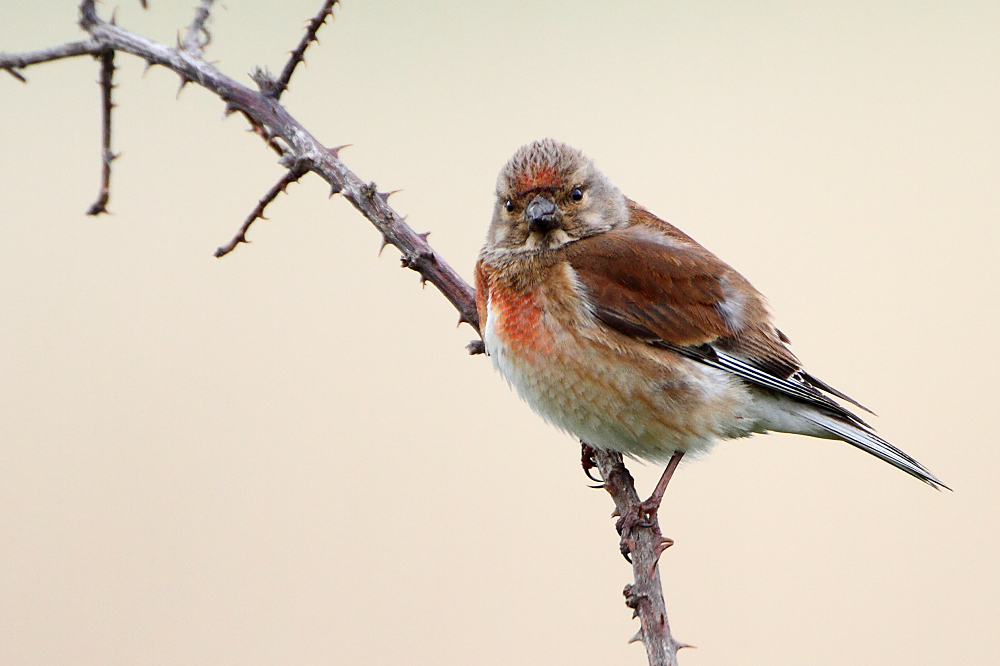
(12,62)
(198,37)
(107,73)
(299,54)
(290,177)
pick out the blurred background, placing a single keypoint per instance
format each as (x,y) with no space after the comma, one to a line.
(286,456)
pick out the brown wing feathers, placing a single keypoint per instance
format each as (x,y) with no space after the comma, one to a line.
(665,289)
(666,293)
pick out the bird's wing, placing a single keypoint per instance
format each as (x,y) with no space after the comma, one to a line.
(652,283)
(672,293)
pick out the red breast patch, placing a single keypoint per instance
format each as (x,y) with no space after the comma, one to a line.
(519,321)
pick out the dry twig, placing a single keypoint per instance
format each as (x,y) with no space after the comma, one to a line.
(645,596)
(107,59)
(290,177)
(198,37)
(14,62)
(301,153)
(299,53)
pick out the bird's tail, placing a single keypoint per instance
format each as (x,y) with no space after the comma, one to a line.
(866,440)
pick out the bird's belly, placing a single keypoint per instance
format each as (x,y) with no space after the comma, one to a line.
(613,399)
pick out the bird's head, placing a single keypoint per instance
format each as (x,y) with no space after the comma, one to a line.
(550,194)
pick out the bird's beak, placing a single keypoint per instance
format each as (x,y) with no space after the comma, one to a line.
(542,214)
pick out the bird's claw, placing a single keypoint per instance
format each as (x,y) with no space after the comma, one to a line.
(588,463)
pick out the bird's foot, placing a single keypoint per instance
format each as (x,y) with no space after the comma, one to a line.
(588,462)
(644,515)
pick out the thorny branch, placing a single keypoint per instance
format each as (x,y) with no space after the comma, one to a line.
(299,54)
(645,596)
(13,62)
(291,176)
(107,59)
(198,37)
(301,153)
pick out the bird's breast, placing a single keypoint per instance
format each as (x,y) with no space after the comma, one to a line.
(618,394)
(516,320)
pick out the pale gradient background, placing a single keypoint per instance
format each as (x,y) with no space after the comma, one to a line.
(286,457)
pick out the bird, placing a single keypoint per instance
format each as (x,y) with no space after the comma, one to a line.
(620,329)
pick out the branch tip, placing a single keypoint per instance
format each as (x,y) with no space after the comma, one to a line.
(297,55)
(107,59)
(291,176)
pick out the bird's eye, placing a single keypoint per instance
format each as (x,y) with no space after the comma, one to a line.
(576,194)
(509,205)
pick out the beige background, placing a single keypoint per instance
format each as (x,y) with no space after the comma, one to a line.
(286,457)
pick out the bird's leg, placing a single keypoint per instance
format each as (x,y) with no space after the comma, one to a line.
(643,514)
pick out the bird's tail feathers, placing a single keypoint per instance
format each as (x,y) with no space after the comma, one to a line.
(867,440)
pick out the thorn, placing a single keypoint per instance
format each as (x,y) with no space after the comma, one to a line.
(16,74)
(114,16)
(663,544)
(635,613)
(681,646)
(184,81)
(385,241)
(334,189)
(424,236)
(637,638)
(335,151)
